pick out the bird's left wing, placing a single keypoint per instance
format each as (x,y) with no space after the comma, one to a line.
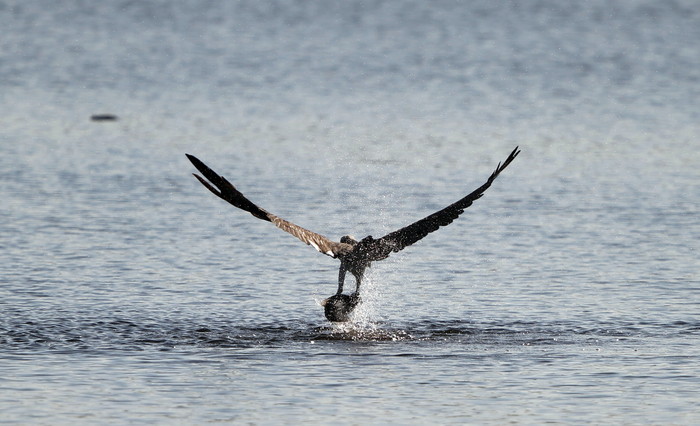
(370,249)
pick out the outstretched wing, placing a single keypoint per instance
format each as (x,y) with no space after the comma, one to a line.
(223,189)
(370,249)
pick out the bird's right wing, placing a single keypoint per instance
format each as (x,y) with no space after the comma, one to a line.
(370,249)
(223,189)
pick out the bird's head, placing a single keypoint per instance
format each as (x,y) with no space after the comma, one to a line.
(348,239)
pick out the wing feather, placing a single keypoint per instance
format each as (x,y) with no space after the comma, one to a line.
(223,189)
(371,249)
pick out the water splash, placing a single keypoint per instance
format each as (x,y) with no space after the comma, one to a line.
(368,312)
(366,322)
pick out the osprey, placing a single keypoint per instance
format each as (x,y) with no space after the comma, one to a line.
(355,256)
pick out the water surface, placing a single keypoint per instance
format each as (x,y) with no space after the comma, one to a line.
(569,293)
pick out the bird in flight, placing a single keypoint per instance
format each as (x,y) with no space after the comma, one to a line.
(355,256)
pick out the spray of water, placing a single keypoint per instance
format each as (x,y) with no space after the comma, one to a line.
(366,322)
(368,312)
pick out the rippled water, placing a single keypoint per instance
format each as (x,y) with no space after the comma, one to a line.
(569,293)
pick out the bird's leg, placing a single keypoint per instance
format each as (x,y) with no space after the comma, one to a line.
(341,278)
(358,281)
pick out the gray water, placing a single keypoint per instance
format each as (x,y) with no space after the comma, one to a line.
(569,293)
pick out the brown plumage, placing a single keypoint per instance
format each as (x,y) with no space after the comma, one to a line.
(355,256)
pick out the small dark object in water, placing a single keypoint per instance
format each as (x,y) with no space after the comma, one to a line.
(339,306)
(103,117)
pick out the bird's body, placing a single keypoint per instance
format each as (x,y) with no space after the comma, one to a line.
(355,256)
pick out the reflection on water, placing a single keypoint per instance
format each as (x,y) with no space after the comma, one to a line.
(145,334)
